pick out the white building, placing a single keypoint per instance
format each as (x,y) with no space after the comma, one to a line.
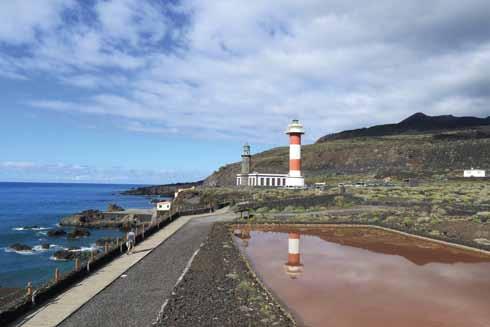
(474,173)
(261,179)
(164,205)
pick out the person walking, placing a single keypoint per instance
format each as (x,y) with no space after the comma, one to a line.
(130,240)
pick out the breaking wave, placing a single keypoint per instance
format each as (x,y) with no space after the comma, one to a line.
(30,228)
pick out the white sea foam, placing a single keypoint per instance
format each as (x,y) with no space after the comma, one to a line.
(34,229)
(38,248)
(7,249)
(92,247)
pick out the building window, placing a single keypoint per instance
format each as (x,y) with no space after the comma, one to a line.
(273,180)
(267,181)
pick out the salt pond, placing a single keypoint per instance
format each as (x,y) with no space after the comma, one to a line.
(353,276)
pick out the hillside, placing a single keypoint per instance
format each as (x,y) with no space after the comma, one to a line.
(417,123)
(407,149)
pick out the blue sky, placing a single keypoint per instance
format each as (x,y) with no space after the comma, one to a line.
(134,91)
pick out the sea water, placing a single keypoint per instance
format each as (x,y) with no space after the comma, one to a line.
(43,205)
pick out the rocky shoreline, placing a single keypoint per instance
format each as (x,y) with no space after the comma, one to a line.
(220,290)
(114,217)
(166,190)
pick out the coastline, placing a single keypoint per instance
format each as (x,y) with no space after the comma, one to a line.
(29,225)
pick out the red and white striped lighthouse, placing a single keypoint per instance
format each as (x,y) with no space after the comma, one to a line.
(294,268)
(295,179)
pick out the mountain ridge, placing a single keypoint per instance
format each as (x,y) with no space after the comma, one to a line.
(418,123)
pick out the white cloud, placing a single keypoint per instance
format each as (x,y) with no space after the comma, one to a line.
(63,172)
(17,164)
(130,19)
(243,69)
(21,20)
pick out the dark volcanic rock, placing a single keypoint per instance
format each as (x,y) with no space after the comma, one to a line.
(98,219)
(71,254)
(83,218)
(166,190)
(78,232)
(56,233)
(45,246)
(418,122)
(114,207)
(20,247)
(104,240)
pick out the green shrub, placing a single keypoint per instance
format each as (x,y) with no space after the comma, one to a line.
(339,201)
(299,209)
(423,220)
(482,217)
(408,222)
(262,210)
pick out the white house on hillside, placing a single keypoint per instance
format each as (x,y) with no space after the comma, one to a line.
(164,205)
(474,173)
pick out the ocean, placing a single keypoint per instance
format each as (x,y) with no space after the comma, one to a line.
(42,205)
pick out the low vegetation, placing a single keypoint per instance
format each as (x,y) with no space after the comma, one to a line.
(455,211)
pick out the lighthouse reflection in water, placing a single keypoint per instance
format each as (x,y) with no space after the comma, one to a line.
(293,267)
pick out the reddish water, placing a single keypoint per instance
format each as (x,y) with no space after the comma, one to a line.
(367,277)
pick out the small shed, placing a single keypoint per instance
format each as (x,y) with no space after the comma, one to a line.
(164,205)
(474,173)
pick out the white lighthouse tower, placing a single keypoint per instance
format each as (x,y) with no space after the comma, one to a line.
(295,179)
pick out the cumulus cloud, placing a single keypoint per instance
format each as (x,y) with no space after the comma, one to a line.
(234,69)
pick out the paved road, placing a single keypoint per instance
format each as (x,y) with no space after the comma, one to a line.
(136,299)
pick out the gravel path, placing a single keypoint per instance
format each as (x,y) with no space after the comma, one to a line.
(220,290)
(136,299)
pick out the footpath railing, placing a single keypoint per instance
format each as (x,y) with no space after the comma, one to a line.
(17,302)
